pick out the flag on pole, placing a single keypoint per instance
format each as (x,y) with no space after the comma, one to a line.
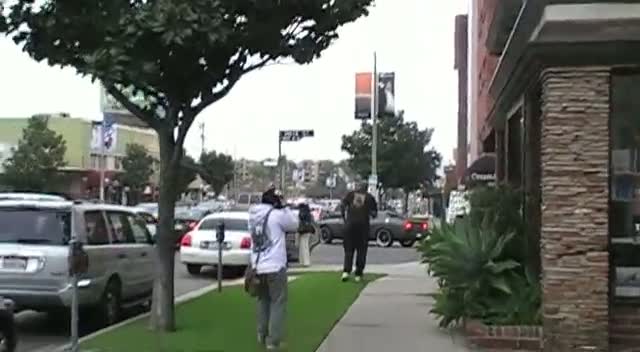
(108,132)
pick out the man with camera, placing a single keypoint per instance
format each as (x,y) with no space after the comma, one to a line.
(269,222)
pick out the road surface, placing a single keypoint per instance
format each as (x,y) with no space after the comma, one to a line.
(40,333)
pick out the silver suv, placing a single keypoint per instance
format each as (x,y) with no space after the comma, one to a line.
(34,256)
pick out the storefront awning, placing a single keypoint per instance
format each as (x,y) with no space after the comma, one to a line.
(483,170)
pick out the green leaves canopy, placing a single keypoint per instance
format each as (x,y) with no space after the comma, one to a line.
(404,160)
(181,55)
(35,163)
(138,167)
(216,169)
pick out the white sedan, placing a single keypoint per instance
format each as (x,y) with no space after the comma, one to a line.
(199,247)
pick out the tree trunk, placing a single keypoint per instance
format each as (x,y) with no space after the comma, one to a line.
(163,310)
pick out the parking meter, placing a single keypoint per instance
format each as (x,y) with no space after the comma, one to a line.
(220,233)
(220,240)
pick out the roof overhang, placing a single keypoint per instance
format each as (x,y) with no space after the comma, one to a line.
(556,33)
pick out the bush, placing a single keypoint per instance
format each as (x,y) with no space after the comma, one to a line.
(499,209)
(477,277)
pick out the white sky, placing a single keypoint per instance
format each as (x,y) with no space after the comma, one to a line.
(414,38)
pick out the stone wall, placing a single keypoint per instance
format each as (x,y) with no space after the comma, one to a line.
(574,235)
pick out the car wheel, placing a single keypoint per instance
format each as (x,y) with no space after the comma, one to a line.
(325,235)
(407,243)
(8,334)
(194,269)
(384,238)
(110,306)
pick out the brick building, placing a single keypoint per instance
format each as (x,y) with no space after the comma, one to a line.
(564,120)
(461,60)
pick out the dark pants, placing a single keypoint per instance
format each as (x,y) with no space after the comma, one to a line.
(356,240)
(272,307)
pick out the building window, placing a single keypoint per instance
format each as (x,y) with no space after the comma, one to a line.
(624,208)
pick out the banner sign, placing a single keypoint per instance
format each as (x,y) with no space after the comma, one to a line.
(363,95)
(386,94)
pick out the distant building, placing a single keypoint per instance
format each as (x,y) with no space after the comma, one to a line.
(83,153)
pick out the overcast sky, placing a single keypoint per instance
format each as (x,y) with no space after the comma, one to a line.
(414,38)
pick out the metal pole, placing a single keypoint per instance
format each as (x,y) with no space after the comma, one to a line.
(75,308)
(280,163)
(102,162)
(220,244)
(374,124)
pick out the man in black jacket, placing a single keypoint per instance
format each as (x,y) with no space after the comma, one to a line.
(358,207)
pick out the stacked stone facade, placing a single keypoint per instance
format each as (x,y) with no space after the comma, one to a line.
(575,193)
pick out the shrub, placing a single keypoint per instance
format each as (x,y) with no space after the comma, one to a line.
(499,209)
(476,277)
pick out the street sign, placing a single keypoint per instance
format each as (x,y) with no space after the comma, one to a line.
(295,135)
(331,181)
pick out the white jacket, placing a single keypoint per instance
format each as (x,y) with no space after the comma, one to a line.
(281,221)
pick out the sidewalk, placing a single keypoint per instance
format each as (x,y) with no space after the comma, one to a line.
(392,315)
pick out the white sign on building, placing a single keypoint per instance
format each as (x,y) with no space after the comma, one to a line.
(5,153)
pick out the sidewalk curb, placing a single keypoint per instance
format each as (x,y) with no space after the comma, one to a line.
(189,296)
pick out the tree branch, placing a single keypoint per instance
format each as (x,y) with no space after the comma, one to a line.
(234,76)
(133,108)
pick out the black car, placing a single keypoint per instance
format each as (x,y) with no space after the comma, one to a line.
(386,228)
(186,219)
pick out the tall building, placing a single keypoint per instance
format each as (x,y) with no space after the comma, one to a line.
(553,87)
(461,59)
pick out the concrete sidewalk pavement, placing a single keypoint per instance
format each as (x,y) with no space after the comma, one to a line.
(392,315)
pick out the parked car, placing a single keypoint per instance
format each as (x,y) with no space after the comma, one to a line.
(199,247)
(386,228)
(149,207)
(32,196)
(185,220)
(149,219)
(34,256)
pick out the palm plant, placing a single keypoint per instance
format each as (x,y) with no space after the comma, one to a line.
(471,269)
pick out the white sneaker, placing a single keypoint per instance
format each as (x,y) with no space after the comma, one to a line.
(358,278)
(345,277)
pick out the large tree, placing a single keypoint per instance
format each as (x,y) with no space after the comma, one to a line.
(405,159)
(137,165)
(35,164)
(180,57)
(216,169)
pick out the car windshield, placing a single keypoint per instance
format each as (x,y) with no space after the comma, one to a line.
(35,226)
(229,224)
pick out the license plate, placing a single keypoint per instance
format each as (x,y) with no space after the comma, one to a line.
(213,245)
(14,263)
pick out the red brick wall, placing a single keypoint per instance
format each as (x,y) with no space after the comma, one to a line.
(486,62)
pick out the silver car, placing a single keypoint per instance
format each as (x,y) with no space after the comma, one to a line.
(34,256)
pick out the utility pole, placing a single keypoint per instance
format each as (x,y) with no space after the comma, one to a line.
(373,179)
(202,139)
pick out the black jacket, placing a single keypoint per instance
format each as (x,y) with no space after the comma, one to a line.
(358,208)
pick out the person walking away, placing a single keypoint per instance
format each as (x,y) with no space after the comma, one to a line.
(268,224)
(305,230)
(358,207)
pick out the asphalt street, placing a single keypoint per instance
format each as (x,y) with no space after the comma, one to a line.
(39,332)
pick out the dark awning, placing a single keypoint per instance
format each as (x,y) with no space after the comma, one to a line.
(482,170)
